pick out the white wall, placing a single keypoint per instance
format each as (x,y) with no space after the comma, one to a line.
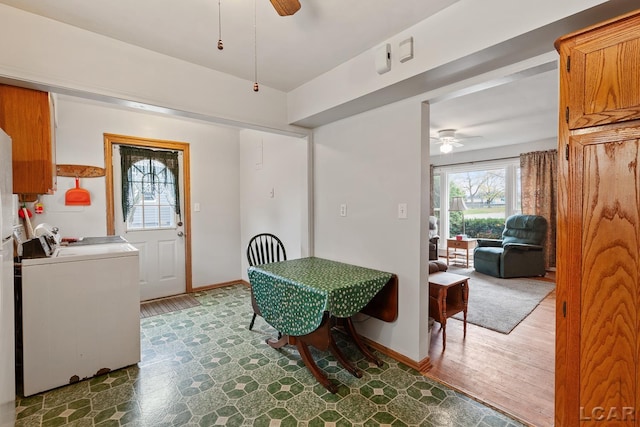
(46,52)
(215,156)
(274,191)
(466,27)
(372,162)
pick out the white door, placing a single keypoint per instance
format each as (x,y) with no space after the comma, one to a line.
(155,229)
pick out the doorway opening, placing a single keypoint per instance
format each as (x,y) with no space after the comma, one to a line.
(149,210)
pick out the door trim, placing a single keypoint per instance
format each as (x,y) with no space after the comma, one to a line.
(112,139)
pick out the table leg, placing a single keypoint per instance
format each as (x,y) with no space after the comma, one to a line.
(442,302)
(313,368)
(351,330)
(281,341)
(321,339)
(465,300)
(343,360)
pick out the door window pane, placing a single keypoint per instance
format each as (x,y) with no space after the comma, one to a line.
(153,197)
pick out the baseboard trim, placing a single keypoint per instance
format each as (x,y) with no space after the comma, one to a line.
(219,285)
(421,366)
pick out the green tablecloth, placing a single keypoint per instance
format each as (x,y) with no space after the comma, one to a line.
(293,295)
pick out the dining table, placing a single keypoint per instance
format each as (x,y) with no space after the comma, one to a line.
(304,299)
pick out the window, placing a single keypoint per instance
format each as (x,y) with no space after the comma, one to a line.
(491,191)
(150,195)
(436,196)
(152,198)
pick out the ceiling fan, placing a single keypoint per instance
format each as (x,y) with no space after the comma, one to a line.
(286,7)
(448,139)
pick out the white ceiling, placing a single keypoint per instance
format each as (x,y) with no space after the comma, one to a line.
(520,111)
(293,50)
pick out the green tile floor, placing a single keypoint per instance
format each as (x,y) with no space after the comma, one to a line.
(203,367)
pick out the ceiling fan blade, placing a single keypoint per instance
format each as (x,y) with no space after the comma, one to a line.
(464,138)
(286,7)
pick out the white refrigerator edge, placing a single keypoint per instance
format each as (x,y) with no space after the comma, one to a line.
(7,330)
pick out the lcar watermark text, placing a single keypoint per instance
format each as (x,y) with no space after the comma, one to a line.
(613,413)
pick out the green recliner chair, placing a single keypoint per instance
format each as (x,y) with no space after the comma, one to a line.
(520,253)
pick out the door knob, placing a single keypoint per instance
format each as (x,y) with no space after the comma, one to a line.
(180,234)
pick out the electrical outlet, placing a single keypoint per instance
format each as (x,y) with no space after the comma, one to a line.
(343,209)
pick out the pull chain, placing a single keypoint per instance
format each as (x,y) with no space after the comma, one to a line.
(220,45)
(256,87)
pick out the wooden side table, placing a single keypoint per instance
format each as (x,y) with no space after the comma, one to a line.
(448,295)
(464,244)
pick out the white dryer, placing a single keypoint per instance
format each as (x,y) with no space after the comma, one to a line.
(80,314)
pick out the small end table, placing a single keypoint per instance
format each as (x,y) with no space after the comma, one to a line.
(448,295)
(464,244)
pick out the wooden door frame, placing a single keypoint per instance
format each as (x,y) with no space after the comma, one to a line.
(112,139)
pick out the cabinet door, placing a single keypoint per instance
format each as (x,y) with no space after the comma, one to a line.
(606,164)
(604,75)
(26,116)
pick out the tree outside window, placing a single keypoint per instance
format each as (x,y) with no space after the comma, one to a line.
(489,193)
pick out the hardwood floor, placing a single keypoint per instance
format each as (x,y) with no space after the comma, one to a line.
(513,373)
(167,305)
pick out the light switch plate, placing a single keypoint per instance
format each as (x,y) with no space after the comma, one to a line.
(405,50)
(402,211)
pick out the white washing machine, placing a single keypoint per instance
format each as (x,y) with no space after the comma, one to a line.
(80,314)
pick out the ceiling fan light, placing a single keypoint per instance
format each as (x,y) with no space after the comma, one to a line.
(446,147)
(447,135)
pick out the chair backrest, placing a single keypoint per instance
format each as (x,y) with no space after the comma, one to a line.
(529,229)
(265,248)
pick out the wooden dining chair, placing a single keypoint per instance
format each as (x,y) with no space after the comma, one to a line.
(263,248)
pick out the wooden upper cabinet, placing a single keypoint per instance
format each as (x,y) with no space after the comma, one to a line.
(598,227)
(26,116)
(604,72)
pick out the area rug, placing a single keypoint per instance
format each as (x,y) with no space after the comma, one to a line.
(501,304)
(167,305)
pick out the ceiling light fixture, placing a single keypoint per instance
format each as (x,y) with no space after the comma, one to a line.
(448,140)
(446,147)
(447,136)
